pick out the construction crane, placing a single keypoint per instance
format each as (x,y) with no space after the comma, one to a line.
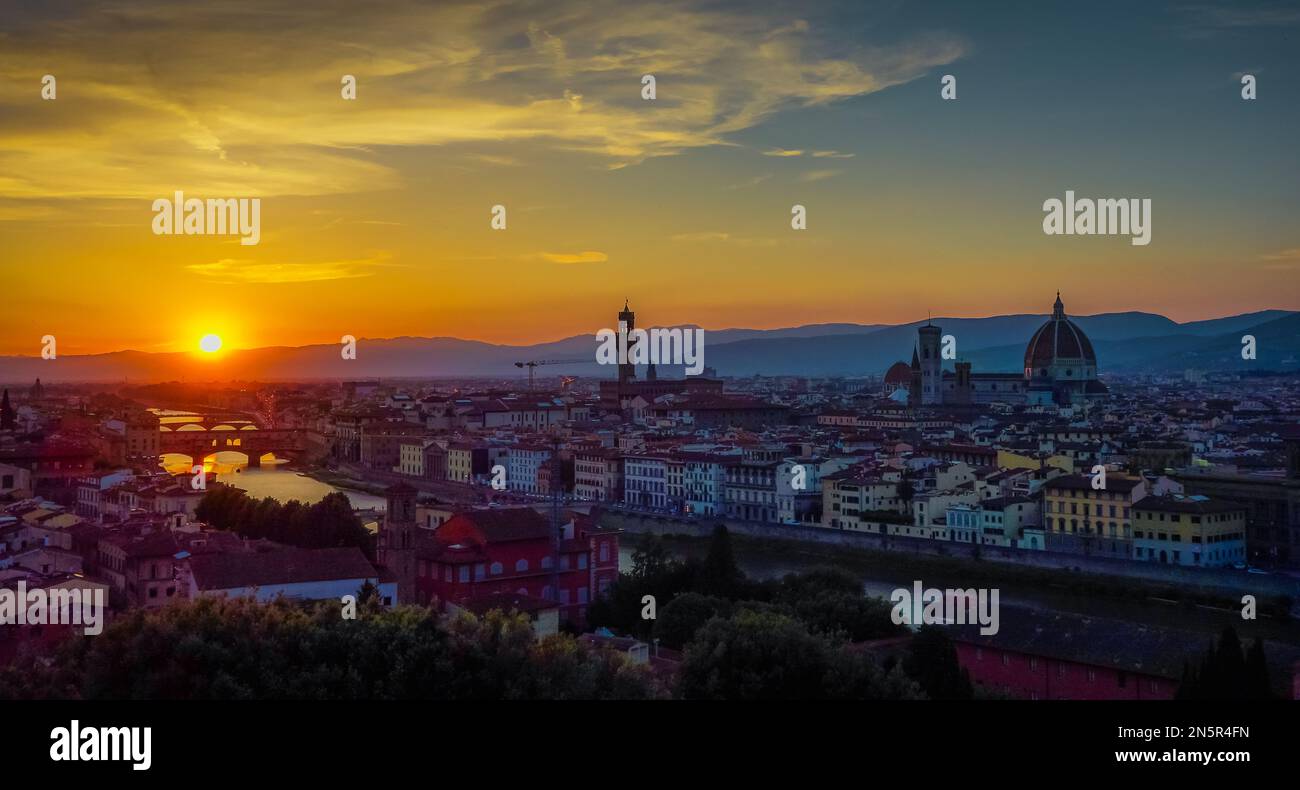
(532,366)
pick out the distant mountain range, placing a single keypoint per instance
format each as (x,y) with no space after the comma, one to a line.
(1123,341)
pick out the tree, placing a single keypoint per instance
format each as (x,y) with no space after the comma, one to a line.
(906,489)
(851,616)
(654,573)
(931,661)
(650,559)
(719,574)
(1258,685)
(329,523)
(240,649)
(821,579)
(684,615)
(1226,674)
(765,655)
(754,655)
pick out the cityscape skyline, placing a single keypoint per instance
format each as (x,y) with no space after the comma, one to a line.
(215,352)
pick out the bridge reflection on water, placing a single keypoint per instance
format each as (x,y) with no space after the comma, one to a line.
(274,480)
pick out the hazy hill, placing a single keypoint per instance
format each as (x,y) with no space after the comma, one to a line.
(1123,341)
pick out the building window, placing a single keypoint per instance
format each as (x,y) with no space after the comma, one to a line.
(464,573)
(496,569)
(582,562)
(604,552)
(521,566)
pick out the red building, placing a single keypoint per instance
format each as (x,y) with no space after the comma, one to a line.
(1040,654)
(1030,676)
(481,553)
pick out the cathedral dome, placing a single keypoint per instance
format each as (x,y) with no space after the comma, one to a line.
(899,373)
(1060,342)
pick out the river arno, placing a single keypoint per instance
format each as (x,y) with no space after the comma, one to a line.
(273,480)
(762,560)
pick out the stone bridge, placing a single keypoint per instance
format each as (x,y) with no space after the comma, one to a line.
(198,440)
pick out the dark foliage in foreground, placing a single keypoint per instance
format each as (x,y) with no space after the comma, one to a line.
(1227,672)
(330,523)
(239,649)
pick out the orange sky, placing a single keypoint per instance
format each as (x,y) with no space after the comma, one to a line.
(375,212)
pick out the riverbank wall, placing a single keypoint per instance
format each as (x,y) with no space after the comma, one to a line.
(1218,581)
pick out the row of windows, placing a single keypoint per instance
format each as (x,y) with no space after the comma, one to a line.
(1112,528)
(1216,555)
(1121,678)
(481,571)
(1177,538)
(1177,517)
(1096,511)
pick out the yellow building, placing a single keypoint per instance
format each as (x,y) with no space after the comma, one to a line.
(1010,460)
(460,463)
(1080,519)
(1189,530)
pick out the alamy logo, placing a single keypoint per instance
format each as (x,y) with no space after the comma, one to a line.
(1101,217)
(57,606)
(211,217)
(674,346)
(93,744)
(919,606)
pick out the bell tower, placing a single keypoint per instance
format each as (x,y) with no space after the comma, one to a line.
(397,539)
(931,365)
(626,323)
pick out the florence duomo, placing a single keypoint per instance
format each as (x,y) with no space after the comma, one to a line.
(1060,370)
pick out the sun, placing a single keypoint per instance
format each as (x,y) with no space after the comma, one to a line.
(210,343)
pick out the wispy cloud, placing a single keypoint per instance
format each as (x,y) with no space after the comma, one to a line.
(720,236)
(752,181)
(1206,20)
(783,152)
(555,75)
(831,155)
(818,175)
(1290,254)
(586,256)
(1282,260)
(231,270)
(701,236)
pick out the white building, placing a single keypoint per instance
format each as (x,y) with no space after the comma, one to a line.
(522,464)
(645,481)
(300,574)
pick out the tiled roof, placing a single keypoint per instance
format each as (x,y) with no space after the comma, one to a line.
(287,566)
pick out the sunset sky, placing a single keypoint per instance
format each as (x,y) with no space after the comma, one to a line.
(375,213)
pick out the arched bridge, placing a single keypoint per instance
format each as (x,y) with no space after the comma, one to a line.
(198,440)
